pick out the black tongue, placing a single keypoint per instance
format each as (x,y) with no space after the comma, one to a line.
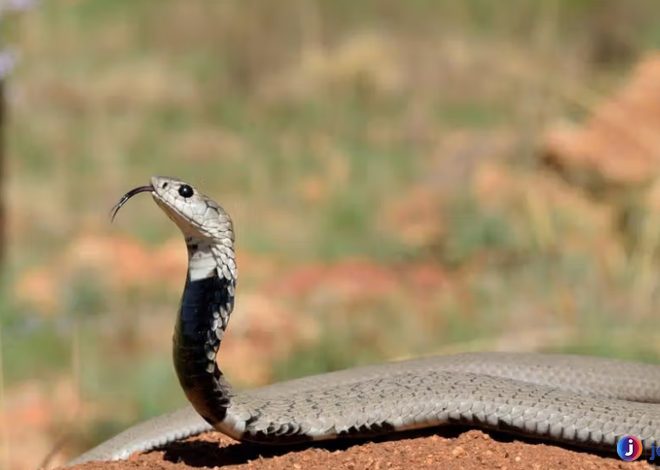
(126,197)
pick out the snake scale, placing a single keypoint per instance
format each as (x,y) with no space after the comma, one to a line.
(577,400)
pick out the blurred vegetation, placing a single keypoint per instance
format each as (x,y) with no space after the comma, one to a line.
(405,135)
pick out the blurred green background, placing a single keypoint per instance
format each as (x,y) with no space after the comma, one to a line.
(396,171)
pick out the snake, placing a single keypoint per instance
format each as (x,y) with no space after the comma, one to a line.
(579,401)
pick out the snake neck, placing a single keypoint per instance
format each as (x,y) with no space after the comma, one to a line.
(206,304)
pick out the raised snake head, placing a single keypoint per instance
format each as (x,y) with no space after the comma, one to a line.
(197,216)
(206,226)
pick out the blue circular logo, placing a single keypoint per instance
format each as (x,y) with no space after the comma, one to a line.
(629,448)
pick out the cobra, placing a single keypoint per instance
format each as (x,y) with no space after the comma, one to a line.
(577,400)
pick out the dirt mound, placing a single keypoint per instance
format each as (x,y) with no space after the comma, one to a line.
(468,450)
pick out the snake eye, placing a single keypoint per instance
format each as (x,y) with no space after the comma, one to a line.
(185,191)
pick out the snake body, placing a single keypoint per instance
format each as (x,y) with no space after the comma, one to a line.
(584,401)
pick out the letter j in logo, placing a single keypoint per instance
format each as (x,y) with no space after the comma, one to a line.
(629,448)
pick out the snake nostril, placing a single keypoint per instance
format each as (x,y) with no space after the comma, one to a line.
(164,185)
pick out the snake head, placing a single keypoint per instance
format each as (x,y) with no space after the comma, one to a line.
(196,215)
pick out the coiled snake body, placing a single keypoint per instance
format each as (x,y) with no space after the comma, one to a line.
(584,401)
